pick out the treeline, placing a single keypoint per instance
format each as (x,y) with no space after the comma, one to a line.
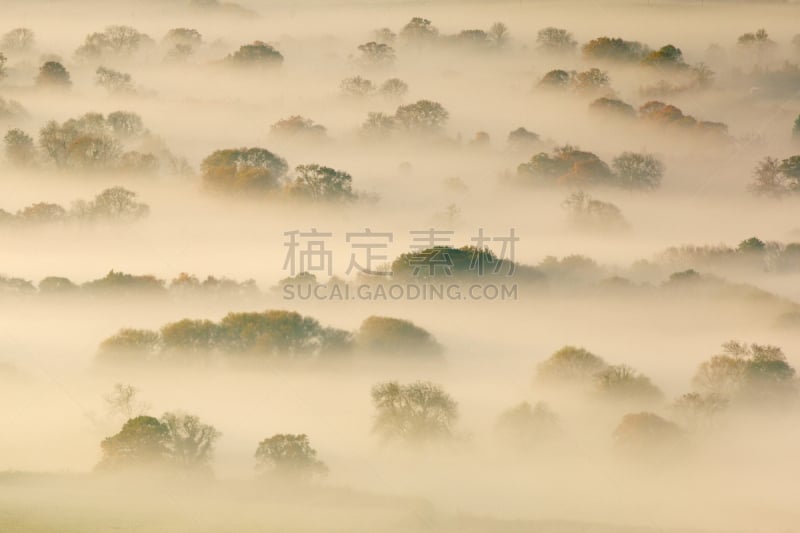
(269,335)
(114,204)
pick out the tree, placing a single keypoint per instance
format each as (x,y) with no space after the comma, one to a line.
(190,336)
(183,37)
(318,183)
(190,443)
(646,432)
(289,457)
(637,170)
(376,54)
(570,365)
(256,55)
(555,40)
(393,88)
(19,148)
(116,203)
(697,411)
(18,40)
(129,346)
(114,41)
(53,74)
(614,49)
(524,426)
(114,82)
(796,128)
(42,212)
(244,170)
(125,125)
(591,80)
(357,87)
(613,107)
(769,179)
(384,35)
(556,79)
(55,284)
(297,127)
(586,212)
(751,373)
(567,166)
(522,139)
(415,413)
(759,40)
(393,336)
(419,31)
(378,126)
(142,442)
(123,400)
(498,34)
(665,57)
(422,116)
(622,382)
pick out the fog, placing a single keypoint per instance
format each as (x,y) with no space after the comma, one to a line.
(647,239)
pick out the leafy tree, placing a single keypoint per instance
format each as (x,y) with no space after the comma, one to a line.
(318,183)
(190,443)
(190,336)
(698,410)
(116,203)
(244,170)
(376,54)
(614,49)
(555,40)
(114,41)
(129,346)
(759,39)
(379,126)
(55,284)
(567,166)
(384,335)
(414,413)
(570,365)
(524,426)
(3,60)
(613,107)
(114,82)
(42,212)
(556,79)
(591,80)
(749,373)
(393,88)
(665,57)
(289,457)
(17,40)
(384,35)
(357,87)
(475,39)
(624,383)
(258,54)
(19,148)
(183,37)
(422,116)
(770,179)
(796,128)
(637,171)
(522,139)
(125,125)
(53,74)
(645,432)
(498,34)
(142,442)
(297,127)
(586,212)
(419,31)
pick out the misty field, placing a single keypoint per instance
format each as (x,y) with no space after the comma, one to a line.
(386,265)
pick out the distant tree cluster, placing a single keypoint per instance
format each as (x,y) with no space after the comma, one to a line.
(114,204)
(114,42)
(570,166)
(422,117)
(358,87)
(256,55)
(257,170)
(586,212)
(268,336)
(577,367)
(750,254)
(421,32)
(590,81)
(118,142)
(670,116)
